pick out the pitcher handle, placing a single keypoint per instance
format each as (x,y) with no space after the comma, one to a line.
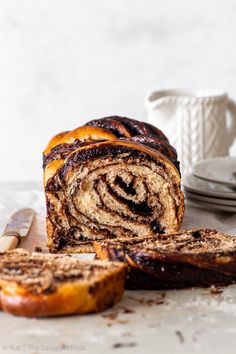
(231,105)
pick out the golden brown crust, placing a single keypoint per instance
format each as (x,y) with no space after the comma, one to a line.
(69,297)
(102,251)
(82,133)
(55,140)
(87,134)
(51,169)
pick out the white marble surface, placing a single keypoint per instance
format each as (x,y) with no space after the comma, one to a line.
(63,62)
(181,322)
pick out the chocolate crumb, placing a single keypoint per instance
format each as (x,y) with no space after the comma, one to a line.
(124,345)
(38,249)
(126,310)
(114,315)
(122,321)
(111,316)
(180,336)
(159,300)
(150,302)
(155,302)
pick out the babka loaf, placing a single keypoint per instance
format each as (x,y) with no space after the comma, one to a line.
(114,177)
(39,285)
(191,258)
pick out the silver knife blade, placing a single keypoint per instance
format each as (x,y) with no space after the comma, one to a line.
(20,222)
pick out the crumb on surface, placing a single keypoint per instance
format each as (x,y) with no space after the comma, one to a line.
(38,249)
(180,336)
(124,345)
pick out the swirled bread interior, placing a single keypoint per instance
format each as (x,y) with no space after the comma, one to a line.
(100,187)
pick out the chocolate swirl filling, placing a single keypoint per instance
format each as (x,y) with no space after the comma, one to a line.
(109,190)
(114,177)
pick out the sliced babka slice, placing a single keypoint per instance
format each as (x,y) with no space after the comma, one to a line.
(41,285)
(110,190)
(190,258)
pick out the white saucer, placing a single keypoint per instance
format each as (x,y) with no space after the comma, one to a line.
(218,201)
(218,170)
(198,186)
(213,206)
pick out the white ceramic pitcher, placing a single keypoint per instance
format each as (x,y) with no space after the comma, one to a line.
(195,121)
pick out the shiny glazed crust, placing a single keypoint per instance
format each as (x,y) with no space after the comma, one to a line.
(67,297)
(189,258)
(108,180)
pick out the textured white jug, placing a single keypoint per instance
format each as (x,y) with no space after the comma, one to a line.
(195,121)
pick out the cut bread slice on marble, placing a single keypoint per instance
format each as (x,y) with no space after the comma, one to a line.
(185,259)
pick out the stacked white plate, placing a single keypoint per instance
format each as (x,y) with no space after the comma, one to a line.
(212,184)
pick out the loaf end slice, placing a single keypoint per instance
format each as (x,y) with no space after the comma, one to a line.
(43,285)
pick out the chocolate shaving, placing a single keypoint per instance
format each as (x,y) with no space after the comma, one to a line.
(180,336)
(124,345)
(159,300)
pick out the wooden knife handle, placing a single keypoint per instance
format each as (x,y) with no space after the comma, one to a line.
(9,241)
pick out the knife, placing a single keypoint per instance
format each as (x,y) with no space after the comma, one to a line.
(17,227)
